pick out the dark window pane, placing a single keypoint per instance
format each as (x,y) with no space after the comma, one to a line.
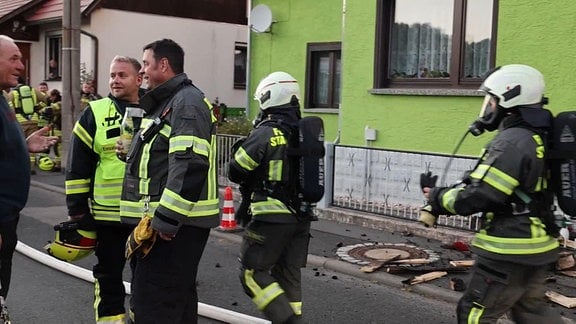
(336,92)
(478,38)
(240,58)
(322,80)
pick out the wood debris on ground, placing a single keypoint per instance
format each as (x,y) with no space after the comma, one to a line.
(424,278)
(568,302)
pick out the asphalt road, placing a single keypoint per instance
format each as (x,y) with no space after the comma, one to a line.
(42,295)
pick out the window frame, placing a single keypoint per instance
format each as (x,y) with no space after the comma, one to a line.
(244,47)
(311,49)
(384,20)
(48,55)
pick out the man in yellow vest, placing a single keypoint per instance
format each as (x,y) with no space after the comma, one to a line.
(27,102)
(94,183)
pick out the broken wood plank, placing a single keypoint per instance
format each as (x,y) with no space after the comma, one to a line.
(569,273)
(425,277)
(568,302)
(410,261)
(375,265)
(462,263)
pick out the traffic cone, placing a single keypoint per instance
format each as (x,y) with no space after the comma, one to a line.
(228,221)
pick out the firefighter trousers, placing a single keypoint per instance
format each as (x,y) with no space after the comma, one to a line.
(498,287)
(9,238)
(164,281)
(109,293)
(272,255)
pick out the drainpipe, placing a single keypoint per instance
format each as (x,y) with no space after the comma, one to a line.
(326,201)
(248,61)
(94,56)
(337,139)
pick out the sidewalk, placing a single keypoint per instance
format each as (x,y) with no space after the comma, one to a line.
(338,228)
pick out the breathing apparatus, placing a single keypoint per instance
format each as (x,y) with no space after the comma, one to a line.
(513,88)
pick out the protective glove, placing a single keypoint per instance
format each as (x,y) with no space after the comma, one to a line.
(427,180)
(142,239)
(427,217)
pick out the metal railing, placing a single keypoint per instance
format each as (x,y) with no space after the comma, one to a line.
(378,181)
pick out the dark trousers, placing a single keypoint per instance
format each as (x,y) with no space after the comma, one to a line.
(272,255)
(164,282)
(497,287)
(9,240)
(109,290)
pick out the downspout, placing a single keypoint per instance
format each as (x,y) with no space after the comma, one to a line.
(95,57)
(337,139)
(248,62)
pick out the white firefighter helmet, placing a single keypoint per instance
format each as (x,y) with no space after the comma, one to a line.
(507,87)
(277,89)
(515,85)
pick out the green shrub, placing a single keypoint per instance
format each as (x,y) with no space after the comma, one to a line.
(235,126)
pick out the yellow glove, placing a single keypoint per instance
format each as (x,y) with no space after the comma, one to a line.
(426,216)
(142,239)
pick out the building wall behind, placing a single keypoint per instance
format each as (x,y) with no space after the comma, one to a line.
(297,22)
(208,47)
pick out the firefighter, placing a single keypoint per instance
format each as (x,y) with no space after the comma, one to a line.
(171,187)
(27,102)
(94,183)
(517,241)
(275,244)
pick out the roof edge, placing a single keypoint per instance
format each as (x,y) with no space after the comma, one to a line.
(20,10)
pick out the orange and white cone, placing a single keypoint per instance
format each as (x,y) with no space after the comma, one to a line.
(228,221)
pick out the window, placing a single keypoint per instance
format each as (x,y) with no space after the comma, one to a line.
(240,59)
(53,57)
(434,43)
(323,75)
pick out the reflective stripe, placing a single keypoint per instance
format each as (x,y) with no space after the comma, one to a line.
(182,143)
(136,208)
(262,297)
(77,186)
(275,170)
(244,160)
(177,204)
(496,178)
(270,206)
(537,228)
(296,307)
(475,314)
(83,135)
(212,117)
(518,246)
(448,199)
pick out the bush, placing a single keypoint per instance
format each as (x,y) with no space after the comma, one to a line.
(235,126)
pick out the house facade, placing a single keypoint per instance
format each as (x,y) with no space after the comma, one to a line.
(404,74)
(213,34)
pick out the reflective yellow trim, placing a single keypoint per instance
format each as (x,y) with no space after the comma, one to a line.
(77,186)
(275,170)
(496,178)
(296,307)
(448,199)
(83,135)
(270,206)
(514,245)
(244,160)
(262,297)
(177,204)
(475,314)
(182,143)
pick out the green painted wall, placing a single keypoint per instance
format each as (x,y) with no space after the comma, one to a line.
(298,22)
(538,33)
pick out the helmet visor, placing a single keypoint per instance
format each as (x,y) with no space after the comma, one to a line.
(488,108)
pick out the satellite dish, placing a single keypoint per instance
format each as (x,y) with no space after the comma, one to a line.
(260,19)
